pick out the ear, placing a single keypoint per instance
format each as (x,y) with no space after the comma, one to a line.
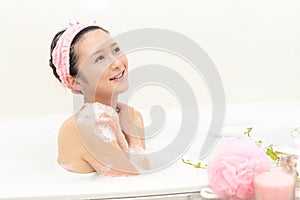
(74,84)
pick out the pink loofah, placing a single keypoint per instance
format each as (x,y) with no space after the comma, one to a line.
(61,52)
(231,172)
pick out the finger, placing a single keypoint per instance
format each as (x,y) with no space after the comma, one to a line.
(107,114)
(110,122)
(132,116)
(122,142)
(116,129)
(133,141)
(111,115)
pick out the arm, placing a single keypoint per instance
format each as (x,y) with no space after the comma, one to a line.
(105,157)
(132,125)
(103,166)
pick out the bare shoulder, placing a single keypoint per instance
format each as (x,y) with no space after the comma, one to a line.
(70,148)
(133,113)
(66,139)
(137,116)
(137,113)
(67,129)
(68,124)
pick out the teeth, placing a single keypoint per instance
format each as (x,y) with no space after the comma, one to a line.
(118,76)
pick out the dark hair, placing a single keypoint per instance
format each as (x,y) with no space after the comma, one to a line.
(73,56)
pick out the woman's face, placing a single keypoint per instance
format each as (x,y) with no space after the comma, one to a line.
(102,66)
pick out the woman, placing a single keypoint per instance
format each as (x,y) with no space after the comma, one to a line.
(86,60)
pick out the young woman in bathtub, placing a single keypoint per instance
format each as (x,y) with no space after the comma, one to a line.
(104,136)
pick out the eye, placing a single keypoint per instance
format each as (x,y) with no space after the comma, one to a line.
(116,50)
(99,59)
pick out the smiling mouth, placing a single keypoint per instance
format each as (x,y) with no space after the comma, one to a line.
(118,76)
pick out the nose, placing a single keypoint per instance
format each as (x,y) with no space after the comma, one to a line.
(116,63)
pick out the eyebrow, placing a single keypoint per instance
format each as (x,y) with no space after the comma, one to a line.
(99,50)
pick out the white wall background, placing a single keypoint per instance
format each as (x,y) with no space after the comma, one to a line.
(255,44)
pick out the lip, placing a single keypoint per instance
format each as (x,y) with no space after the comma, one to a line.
(119,79)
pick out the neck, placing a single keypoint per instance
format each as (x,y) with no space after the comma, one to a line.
(109,101)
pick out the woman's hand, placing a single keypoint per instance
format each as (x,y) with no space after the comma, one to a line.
(132,125)
(107,118)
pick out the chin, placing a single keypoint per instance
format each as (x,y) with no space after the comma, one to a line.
(121,88)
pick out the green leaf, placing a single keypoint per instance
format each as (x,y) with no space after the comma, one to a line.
(248,132)
(269,152)
(278,152)
(259,142)
(274,156)
(198,165)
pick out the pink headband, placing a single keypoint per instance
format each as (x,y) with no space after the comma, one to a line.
(61,52)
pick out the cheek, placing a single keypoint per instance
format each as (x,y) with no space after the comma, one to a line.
(124,61)
(98,74)
(103,79)
(94,78)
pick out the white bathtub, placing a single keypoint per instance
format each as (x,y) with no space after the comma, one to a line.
(28,150)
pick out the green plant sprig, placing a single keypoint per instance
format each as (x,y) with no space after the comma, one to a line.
(198,165)
(269,150)
(273,154)
(248,132)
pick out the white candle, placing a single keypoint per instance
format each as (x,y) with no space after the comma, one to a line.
(274,185)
